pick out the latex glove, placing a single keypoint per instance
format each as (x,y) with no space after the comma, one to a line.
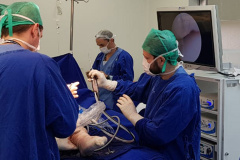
(105,74)
(128,108)
(102,81)
(73,87)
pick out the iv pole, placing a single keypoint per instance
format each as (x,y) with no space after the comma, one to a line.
(71,23)
(71,26)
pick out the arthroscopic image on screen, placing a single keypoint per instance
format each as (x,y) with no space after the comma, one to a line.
(193,30)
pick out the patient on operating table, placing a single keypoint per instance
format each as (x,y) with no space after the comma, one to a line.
(80,139)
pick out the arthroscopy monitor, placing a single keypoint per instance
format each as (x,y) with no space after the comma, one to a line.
(197,30)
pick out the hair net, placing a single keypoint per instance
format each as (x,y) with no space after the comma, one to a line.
(106,34)
(162,43)
(2,7)
(20,13)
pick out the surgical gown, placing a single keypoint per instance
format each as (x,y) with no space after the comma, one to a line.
(35,105)
(171,122)
(119,66)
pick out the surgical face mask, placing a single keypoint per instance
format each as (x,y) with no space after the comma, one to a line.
(38,47)
(147,65)
(27,44)
(39,34)
(1,41)
(105,50)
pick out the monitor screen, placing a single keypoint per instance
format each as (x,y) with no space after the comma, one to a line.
(198,34)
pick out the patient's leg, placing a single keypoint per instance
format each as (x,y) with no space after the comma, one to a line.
(86,143)
(65,144)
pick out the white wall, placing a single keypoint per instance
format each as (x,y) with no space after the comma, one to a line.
(231,41)
(230,24)
(228,9)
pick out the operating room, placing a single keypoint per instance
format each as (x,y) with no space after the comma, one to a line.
(70,27)
(129,21)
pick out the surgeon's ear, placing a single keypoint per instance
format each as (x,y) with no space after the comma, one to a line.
(161,61)
(111,40)
(35,30)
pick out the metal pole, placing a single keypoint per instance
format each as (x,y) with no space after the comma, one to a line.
(203,2)
(71,25)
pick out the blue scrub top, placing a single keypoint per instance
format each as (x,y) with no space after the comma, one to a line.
(35,105)
(171,122)
(119,66)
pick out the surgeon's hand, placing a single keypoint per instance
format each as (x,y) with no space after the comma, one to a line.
(73,87)
(128,108)
(107,76)
(101,80)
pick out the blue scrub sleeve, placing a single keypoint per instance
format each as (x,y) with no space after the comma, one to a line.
(125,67)
(170,119)
(138,91)
(61,108)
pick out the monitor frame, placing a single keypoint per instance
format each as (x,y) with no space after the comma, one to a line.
(216,31)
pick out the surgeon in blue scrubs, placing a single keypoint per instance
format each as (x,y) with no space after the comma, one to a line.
(171,122)
(114,62)
(35,103)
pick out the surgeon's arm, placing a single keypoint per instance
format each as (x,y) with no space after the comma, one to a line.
(138,91)
(170,119)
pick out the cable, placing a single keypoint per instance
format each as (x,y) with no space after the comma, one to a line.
(118,124)
(111,138)
(111,118)
(229,74)
(121,126)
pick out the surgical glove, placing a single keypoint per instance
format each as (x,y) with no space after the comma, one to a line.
(128,108)
(105,74)
(102,81)
(73,87)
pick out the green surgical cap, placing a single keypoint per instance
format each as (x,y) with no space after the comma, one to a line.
(159,43)
(26,9)
(2,7)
